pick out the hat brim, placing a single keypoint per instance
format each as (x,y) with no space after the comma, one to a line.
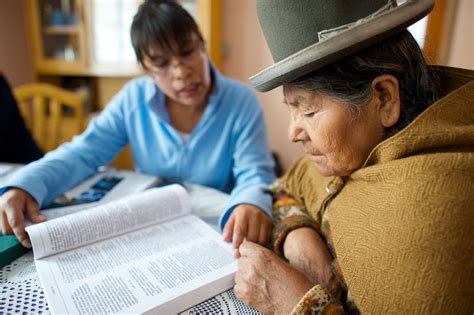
(341,45)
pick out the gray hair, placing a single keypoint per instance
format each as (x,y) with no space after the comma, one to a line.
(349,80)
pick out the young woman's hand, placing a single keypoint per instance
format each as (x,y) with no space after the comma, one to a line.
(266,282)
(250,223)
(13,205)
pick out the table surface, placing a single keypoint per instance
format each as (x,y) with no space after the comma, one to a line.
(21,291)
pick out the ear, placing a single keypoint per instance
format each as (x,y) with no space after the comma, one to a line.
(387,96)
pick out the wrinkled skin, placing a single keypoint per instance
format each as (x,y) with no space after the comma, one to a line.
(266,282)
(338,143)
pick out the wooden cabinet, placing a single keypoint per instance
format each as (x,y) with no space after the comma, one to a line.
(58,35)
(91,37)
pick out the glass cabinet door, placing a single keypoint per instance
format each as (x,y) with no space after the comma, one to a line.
(92,37)
(59,28)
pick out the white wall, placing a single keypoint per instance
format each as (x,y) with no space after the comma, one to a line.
(244,53)
(15,55)
(461,52)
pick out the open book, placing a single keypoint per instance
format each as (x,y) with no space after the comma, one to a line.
(144,253)
(104,187)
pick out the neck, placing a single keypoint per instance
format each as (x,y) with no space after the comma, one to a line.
(183,117)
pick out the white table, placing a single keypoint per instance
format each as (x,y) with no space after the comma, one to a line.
(21,291)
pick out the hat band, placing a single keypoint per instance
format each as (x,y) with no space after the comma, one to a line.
(325,34)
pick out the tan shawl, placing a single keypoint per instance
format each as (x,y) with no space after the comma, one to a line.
(403,225)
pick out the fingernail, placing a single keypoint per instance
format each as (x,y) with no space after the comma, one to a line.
(26,243)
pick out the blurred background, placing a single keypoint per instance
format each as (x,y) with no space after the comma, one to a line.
(84,46)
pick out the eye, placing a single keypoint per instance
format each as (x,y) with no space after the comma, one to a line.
(161,64)
(187,52)
(309,115)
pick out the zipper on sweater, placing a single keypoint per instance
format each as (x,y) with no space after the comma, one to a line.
(183,153)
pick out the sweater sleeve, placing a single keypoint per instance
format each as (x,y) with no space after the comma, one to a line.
(72,162)
(253,165)
(317,301)
(289,214)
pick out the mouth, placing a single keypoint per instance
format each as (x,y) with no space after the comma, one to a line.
(314,155)
(189,90)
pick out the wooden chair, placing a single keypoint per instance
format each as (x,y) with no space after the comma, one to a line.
(52,114)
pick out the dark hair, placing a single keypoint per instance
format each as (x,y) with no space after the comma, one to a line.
(160,23)
(349,79)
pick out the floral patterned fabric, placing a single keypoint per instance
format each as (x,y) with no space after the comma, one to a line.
(290,214)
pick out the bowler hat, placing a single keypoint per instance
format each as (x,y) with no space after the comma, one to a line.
(305,35)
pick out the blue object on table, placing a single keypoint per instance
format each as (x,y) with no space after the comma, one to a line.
(97,191)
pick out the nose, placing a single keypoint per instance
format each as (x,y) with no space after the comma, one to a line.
(180,69)
(296,133)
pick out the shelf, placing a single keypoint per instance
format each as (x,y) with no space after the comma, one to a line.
(62,30)
(116,70)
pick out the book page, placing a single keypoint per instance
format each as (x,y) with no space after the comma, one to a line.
(130,183)
(207,203)
(108,220)
(7,170)
(55,213)
(162,269)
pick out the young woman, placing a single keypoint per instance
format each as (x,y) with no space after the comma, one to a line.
(184,121)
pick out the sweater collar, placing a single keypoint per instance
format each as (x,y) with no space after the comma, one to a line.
(447,123)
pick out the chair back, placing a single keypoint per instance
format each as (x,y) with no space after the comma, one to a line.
(52,114)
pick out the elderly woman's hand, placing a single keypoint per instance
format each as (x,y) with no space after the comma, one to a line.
(306,251)
(266,282)
(250,223)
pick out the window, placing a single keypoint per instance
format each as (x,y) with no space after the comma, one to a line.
(111,21)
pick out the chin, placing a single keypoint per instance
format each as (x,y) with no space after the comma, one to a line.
(323,170)
(327,171)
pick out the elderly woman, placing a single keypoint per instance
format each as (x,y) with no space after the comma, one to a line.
(378,217)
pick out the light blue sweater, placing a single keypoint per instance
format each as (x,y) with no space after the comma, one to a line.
(227,149)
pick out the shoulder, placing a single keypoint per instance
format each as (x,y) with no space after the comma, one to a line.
(300,169)
(139,86)
(236,92)
(302,179)
(421,185)
(414,212)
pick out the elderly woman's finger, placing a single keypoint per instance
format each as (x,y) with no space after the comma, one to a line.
(250,249)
